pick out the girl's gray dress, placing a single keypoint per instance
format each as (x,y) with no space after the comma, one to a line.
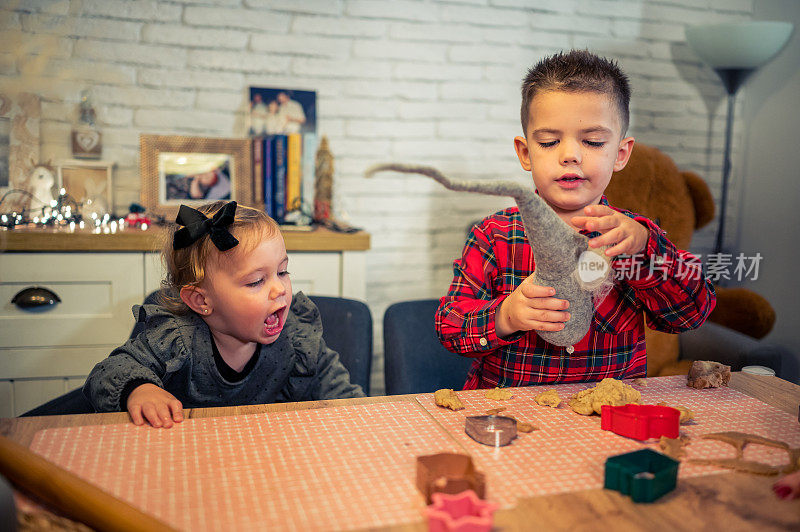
(176,353)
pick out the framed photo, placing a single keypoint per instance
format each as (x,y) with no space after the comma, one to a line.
(193,170)
(282,111)
(19,141)
(88,182)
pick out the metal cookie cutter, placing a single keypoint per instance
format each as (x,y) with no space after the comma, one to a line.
(495,431)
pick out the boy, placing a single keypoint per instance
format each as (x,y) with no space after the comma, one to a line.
(574,117)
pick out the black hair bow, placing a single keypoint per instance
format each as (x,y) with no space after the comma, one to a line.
(197,225)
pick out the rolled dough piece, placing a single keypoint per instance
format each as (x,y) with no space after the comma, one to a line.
(608,392)
(498,394)
(673,447)
(447,398)
(548,398)
(708,374)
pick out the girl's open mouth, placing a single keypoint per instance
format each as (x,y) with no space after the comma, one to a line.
(274,323)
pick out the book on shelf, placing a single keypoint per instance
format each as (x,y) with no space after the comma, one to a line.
(308,168)
(257,152)
(283,176)
(267,175)
(279,167)
(294,176)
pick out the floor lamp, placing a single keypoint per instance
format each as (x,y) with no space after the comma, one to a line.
(735,50)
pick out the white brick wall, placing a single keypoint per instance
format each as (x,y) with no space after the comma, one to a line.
(429,81)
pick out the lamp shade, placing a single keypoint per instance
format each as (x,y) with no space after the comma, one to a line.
(741,45)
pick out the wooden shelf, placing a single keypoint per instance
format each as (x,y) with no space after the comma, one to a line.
(55,240)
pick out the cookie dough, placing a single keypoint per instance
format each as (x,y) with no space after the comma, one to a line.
(737,464)
(447,398)
(686,414)
(522,426)
(607,392)
(498,394)
(548,398)
(708,374)
(673,447)
(739,440)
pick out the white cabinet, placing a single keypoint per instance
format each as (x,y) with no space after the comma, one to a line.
(47,352)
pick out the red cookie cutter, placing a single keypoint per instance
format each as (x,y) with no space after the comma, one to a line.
(641,422)
(462,512)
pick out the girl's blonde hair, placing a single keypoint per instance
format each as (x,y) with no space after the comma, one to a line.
(187,266)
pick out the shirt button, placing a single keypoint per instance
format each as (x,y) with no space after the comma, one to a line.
(570,350)
(484,342)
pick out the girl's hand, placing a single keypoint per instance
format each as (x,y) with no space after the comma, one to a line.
(531,307)
(156,405)
(622,233)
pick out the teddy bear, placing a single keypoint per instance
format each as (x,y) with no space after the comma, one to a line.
(681,202)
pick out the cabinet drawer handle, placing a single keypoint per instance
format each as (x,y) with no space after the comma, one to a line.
(35,296)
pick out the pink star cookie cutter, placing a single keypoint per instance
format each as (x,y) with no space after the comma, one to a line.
(461,512)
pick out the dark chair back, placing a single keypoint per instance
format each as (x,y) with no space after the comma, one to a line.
(73,402)
(415,360)
(347,329)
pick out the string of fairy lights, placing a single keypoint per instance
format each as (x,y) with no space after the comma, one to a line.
(64,212)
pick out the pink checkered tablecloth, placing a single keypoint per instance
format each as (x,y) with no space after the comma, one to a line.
(353,467)
(332,468)
(569,451)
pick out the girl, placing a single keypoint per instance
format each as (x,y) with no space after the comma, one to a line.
(227,331)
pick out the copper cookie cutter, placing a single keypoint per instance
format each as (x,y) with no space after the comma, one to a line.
(448,473)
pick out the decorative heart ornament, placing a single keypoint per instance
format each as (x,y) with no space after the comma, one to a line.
(87,140)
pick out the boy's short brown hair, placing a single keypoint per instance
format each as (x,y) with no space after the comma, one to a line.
(577,71)
(187,266)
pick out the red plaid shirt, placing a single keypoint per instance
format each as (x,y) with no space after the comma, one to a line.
(664,287)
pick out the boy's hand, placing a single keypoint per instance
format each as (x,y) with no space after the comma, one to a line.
(622,233)
(531,307)
(156,405)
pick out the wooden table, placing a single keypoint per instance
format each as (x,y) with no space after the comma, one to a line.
(734,501)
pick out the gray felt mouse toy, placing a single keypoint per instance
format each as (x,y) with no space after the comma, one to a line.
(563,258)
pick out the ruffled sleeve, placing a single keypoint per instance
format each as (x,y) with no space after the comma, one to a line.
(159,350)
(306,334)
(317,373)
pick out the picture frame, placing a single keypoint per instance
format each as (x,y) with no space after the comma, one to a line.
(19,140)
(281,111)
(88,182)
(178,170)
